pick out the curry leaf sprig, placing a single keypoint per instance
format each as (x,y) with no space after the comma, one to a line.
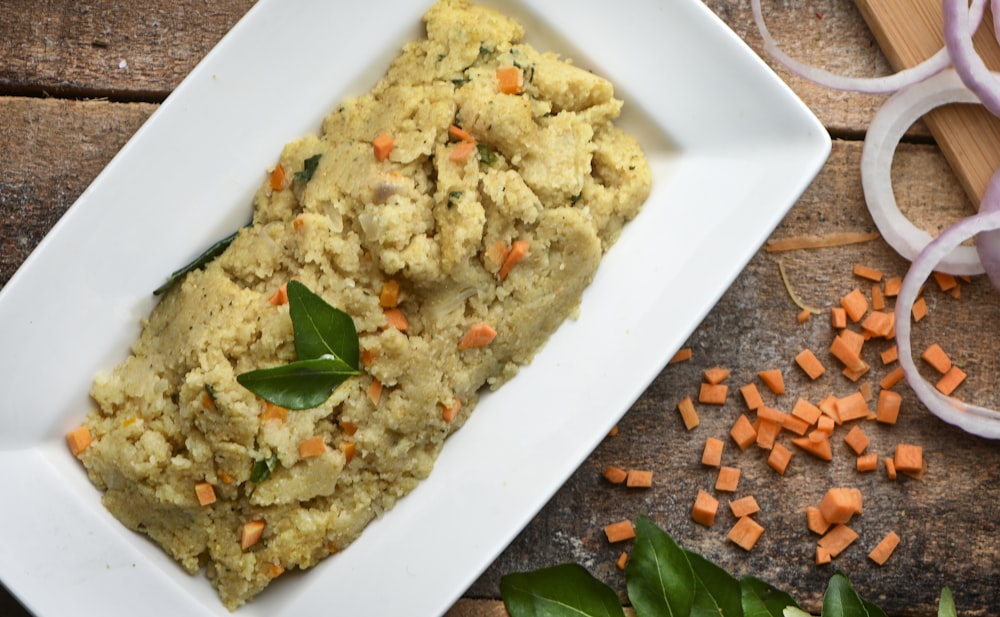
(664,580)
(326,349)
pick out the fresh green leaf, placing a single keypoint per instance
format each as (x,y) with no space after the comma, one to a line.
(300,385)
(841,600)
(716,592)
(659,577)
(199,262)
(308,168)
(320,329)
(487,155)
(564,590)
(946,606)
(762,599)
(262,469)
(794,611)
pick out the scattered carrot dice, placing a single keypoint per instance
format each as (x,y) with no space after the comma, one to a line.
(705,508)
(745,533)
(79,439)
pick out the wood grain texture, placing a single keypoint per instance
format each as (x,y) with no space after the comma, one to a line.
(947,520)
(969,136)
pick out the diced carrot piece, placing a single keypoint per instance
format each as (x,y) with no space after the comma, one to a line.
(225,477)
(462,150)
(613,431)
(887,407)
(615,475)
(349,428)
(716,375)
(277,180)
(751,395)
(892,378)
(682,355)
(909,459)
(449,412)
(743,433)
(744,506)
(838,317)
(937,358)
(712,454)
(205,493)
(728,479)
(382,146)
(745,533)
(867,462)
(809,363)
(620,531)
(479,335)
(884,549)
(803,316)
(815,521)
(857,440)
(846,351)
(705,508)
(890,355)
(280,297)
(946,282)
(348,448)
(893,285)
(388,297)
(919,310)
(622,561)
(838,539)
(878,298)
(825,425)
(840,504)
(713,394)
(767,433)
(251,534)
(829,408)
(823,556)
(795,425)
(773,379)
(312,446)
(771,414)
(375,391)
(866,391)
(879,323)
(510,80)
(868,273)
(396,319)
(855,304)
(890,467)
(805,410)
(688,414)
(853,407)
(639,478)
(779,458)
(274,412)
(517,252)
(820,448)
(274,570)
(460,134)
(497,253)
(951,380)
(79,439)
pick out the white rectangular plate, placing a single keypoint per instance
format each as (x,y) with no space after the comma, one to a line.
(731,149)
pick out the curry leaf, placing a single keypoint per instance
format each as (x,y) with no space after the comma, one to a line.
(262,469)
(716,592)
(300,385)
(308,168)
(659,577)
(564,590)
(320,329)
(946,606)
(199,262)
(841,600)
(762,599)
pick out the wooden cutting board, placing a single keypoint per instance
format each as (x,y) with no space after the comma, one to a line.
(909,31)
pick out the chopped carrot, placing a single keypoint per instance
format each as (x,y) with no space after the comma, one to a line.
(388,297)
(639,478)
(879,324)
(688,414)
(479,335)
(823,556)
(716,375)
(613,431)
(312,446)
(815,521)
(744,506)
(375,391)
(829,408)
(713,394)
(816,443)
(382,146)
(497,253)
(368,356)
(838,317)
(518,249)
(867,462)
(855,304)
(751,395)
(890,355)
(951,380)
(225,477)
(878,298)
(887,407)
(78,440)
(868,273)
(773,379)
(771,414)
(890,467)
(281,296)
(853,407)
(838,539)
(893,285)
(728,479)
(919,310)
(462,151)
(712,454)
(840,504)
(705,508)
(251,534)
(825,425)
(844,349)
(510,80)
(396,319)
(892,378)
(348,448)
(795,425)
(274,412)
(205,493)
(745,533)
(884,549)
(955,292)
(946,282)
(857,440)
(349,428)
(622,561)
(277,181)
(448,413)
(615,475)
(937,358)
(779,458)
(682,355)
(809,363)
(805,410)
(298,222)
(460,134)
(866,391)
(803,315)
(909,459)
(620,531)
(274,570)
(743,432)
(767,433)
(855,374)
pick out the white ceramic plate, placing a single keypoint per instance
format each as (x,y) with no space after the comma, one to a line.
(731,149)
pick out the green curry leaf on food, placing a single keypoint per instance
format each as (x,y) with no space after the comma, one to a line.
(308,169)
(199,262)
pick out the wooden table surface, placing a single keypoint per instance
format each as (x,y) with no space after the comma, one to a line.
(78,77)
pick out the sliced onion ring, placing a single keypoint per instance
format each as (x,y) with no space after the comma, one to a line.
(887,128)
(871,85)
(977,420)
(967,62)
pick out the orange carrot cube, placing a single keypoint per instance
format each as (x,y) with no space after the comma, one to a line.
(745,533)
(743,432)
(615,475)
(773,380)
(744,506)
(856,439)
(704,509)
(779,458)
(688,414)
(620,531)
(712,454)
(809,363)
(205,493)
(751,395)
(713,394)
(728,479)
(884,549)
(79,439)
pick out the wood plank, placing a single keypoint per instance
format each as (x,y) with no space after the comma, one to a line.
(969,136)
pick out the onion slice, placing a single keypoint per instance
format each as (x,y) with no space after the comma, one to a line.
(977,420)
(887,128)
(967,62)
(870,85)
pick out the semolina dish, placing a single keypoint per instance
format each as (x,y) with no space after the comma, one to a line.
(473,190)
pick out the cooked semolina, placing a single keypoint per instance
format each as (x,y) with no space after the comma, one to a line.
(549,169)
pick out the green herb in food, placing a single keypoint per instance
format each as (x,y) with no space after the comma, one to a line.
(308,169)
(487,155)
(200,262)
(262,469)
